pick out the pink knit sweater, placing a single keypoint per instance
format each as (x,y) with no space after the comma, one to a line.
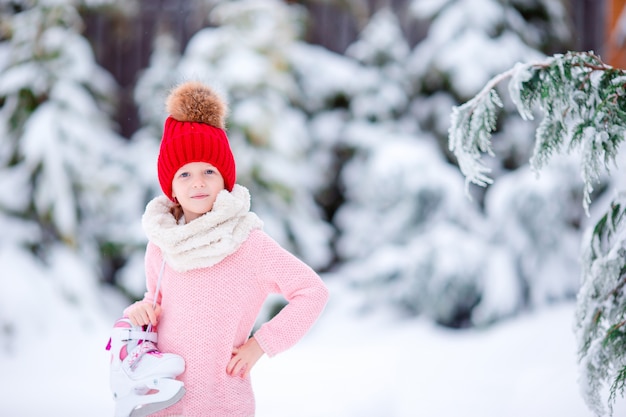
(208,311)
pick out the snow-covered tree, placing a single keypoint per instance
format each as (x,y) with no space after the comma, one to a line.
(382,51)
(409,240)
(407,237)
(541,234)
(62,168)
(389,214)
(582,103)
(470,41)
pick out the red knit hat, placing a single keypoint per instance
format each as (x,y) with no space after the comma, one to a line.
(194,132)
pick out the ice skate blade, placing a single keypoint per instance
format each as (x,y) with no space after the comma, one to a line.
(154,407)
(170,391)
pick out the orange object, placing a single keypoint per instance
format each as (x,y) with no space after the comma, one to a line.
(616,33)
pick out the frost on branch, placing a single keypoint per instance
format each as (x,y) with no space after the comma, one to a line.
(470,135)
(601,308)
(583,106)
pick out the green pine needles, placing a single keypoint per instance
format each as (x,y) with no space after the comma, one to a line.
(583,105)
(601,308)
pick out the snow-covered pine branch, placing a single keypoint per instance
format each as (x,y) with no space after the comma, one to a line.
(583,105)
(601,308)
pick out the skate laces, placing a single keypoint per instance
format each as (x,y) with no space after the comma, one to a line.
(146,338)
(136,354)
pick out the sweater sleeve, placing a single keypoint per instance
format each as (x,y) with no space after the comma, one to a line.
(152,260)
(305,292)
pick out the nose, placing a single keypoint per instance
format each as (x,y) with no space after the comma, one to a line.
(198,183)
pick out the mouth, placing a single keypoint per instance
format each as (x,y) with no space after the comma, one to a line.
(199,196)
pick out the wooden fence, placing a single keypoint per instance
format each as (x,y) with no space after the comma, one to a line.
(123,46)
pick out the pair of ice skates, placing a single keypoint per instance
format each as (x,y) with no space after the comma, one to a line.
(142,378)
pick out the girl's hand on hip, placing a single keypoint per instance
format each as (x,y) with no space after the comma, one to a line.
(244,358)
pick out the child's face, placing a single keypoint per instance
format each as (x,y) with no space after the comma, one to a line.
(195,186)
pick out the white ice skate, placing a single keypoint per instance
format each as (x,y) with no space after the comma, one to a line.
(142,378)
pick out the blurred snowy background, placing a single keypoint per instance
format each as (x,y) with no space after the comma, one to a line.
(440,304)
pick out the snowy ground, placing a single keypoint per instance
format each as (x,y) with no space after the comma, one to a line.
(346,367)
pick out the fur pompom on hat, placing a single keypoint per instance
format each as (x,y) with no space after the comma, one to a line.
(194,132)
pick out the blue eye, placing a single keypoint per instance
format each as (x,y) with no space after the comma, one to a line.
(184,174)
(209,171)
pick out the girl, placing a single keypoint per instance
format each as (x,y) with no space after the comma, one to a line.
(219,266)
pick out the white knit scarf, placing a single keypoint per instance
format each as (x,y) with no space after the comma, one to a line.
(206,240)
